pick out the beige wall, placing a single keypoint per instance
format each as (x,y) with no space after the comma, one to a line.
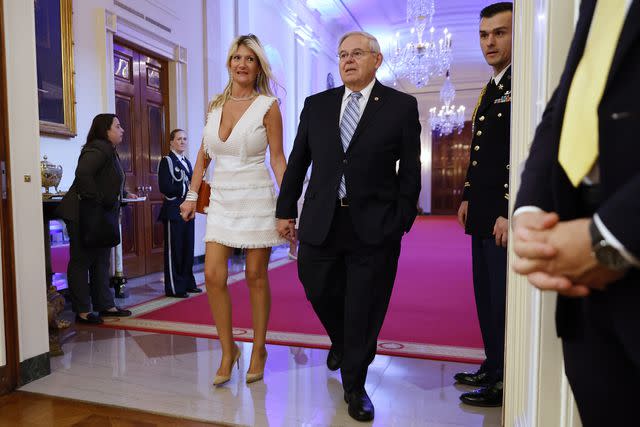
(24,156)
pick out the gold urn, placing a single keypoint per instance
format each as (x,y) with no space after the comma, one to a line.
(51,175)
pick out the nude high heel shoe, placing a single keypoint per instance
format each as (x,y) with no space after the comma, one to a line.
(252,378)
(223,379)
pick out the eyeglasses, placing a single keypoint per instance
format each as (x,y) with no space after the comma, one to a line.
(356,54)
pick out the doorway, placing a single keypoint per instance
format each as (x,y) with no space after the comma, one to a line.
(141,101)
(449,163)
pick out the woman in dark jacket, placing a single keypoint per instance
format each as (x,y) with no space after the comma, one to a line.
(91,209)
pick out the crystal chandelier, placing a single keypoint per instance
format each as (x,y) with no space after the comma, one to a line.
(419,60)
(448,119)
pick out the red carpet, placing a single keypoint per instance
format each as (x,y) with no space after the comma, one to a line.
(432,301)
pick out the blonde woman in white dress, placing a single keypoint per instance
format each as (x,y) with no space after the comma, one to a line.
(242,122)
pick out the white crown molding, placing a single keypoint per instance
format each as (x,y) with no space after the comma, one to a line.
(143,35)
(163,7)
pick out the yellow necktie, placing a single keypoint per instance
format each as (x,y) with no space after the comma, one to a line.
(579,138)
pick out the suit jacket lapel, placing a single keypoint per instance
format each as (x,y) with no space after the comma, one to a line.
(376,99)
(628,36)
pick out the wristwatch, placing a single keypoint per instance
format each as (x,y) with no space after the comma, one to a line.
(606,254)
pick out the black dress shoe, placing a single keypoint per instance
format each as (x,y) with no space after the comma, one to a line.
(194,291)
(119,312)
(182,295)
(334,359)
(92,319)
(477,379)
(360,406)
(485,397)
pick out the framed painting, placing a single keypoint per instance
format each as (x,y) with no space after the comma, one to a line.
(54,56)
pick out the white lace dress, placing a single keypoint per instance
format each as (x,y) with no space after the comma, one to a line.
(241,212)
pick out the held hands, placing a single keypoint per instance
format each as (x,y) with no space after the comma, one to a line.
(188,210)
(556,255)
(287,229)
(501,231)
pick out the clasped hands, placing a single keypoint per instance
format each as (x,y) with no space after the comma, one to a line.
(287,229)
(556,255)
(188,210)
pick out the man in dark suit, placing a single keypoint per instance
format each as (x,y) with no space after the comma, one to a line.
(484,210)
(577,222)
(174,176)
(356,208)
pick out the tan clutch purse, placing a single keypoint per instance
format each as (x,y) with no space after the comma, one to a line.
(204,192)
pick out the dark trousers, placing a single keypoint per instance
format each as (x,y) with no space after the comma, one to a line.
(490,288)
(87,274)
(178,256)
(349,286)
(602,358)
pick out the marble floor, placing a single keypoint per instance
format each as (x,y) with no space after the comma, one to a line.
(172,374)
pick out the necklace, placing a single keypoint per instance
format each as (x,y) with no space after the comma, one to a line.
(243,98)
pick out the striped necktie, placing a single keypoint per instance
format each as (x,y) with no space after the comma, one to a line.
(579,138)
(348,124)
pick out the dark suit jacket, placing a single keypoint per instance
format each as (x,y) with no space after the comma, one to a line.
(382,202)
(173,181)
(544,182)
(98,178)
(486,186)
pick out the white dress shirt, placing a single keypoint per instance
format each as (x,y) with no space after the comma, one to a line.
(181,158)
(498,77)
(366,92)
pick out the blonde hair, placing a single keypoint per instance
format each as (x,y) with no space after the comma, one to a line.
(265,82)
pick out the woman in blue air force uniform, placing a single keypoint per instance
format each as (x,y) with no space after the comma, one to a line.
(174,176)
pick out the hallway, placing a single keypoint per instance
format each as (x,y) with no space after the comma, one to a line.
(172,374)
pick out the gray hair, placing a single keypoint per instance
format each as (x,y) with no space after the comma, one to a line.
(374,46)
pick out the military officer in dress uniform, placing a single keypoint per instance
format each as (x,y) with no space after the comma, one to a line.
(484,210)
(174,176)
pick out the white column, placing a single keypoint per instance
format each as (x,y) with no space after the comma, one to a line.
(109,20)
(178,105)
(536,392)
(424,201)
(221,26)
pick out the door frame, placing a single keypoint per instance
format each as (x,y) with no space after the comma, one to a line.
(145,237)
(146,38)
(9,373)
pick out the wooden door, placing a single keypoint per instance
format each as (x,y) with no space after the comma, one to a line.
(141,105)
(449,161)
(9,370)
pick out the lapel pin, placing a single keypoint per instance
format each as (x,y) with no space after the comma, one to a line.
(500,87)
(376,99)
